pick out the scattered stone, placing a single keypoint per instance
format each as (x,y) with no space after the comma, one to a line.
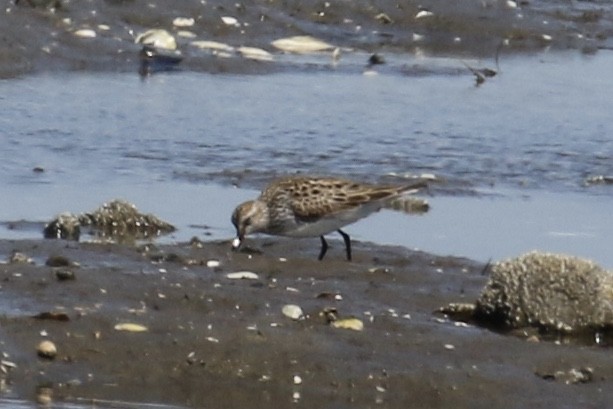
(19,258)
(384,18)
(242,275)
(409,205)
(459,311)
(66,226)
(548,291)
(38,169)
(293,312)
(44,395)
(570,377)
(57,261)
(53,316)
(130,327)
(64,275)
(301,45)
(297,380)
(376,59)
(599,180)
(46,349)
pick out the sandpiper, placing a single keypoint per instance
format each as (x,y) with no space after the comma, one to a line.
(302,206)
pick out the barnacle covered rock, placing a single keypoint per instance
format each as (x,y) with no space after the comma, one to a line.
(549,291)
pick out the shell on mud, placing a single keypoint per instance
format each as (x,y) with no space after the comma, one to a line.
(301,45)
(157,38)
(242,275)
(293,312)
(130,327)
(46,349)
(352,323)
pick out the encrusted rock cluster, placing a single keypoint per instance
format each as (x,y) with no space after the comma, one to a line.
(549,291)
(116,219)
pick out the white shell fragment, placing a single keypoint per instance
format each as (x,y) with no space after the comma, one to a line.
(85,33)
(214,46)
(236,243)
(130,327)
(297,380)
(186,34)
(293,311)
(301,45)
(348,323)
(242,275)
(424,13)
(183,22)
(46,349)
(229,21)
(255,53)
(213,263)
(157,38)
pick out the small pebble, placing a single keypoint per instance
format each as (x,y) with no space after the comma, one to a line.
(297,380)
(57,261)
(65,275)
(46,349)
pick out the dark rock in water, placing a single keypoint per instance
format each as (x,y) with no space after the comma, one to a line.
(549,291)
(117,219)
(66,226)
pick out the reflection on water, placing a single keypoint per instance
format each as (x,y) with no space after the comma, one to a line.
(538,129)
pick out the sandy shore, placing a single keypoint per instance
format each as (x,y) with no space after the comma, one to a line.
(212,341)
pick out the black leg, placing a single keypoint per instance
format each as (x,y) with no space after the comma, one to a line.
(347,243)
(324,248)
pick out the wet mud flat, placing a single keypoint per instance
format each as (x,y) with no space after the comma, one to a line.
(166,325)
(43,35)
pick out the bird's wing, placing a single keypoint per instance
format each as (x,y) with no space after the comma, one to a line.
(314,198)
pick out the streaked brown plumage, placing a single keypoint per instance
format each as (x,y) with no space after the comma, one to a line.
(302,206)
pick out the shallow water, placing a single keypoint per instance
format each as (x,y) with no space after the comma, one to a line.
(514,153)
